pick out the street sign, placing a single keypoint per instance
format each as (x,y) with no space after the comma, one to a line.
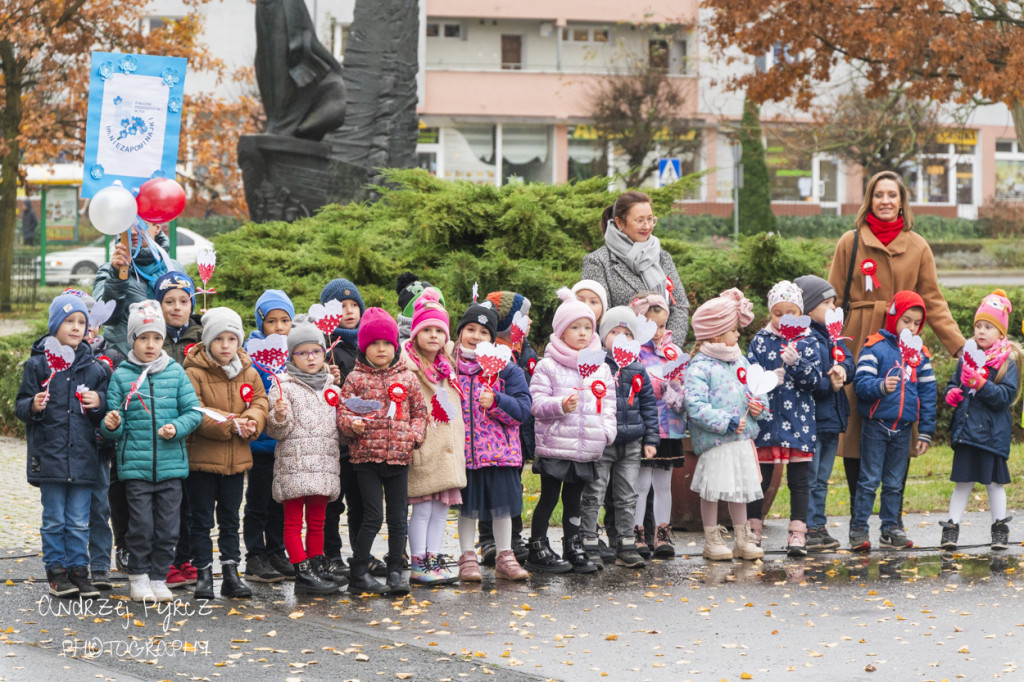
(669,171)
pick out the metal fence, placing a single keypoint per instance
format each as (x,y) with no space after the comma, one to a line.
(24,287)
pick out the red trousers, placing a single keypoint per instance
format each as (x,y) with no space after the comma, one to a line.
(316,509)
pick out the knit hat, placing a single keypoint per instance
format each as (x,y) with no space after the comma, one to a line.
(785,292)
(642,304)
(596,287)
(428,312)
(619,316)
(901,303)
(815,291)
(305,333)
(995,308)
(216,321)
(730,310)
(508,303)
(175,280)
(481,313)
(145,316)
(377,325)
(409,288)
(342,290)
(272,299)
(61,307)
(570,310)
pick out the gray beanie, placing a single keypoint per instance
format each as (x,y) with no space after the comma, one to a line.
(145,316)
(619,316)
(216,321)
(304,333)
(815,291)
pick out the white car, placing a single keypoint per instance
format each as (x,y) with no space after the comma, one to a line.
(79,266)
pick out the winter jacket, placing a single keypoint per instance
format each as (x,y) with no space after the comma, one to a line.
(492,435)
(715,402)
(440,461)
(791,409)
(983,420)
(580,435)
(306,459)
(527,360)
(831,408)
(668,394)
(216,447)
(111,359)
(141,453)
(639,420)
(912,401)
(264,445)
(192,335)
(61,438)
(343,356)
(388,440)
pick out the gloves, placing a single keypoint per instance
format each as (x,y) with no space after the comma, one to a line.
(971,378)
(955,396)
(673,396)
(790,355)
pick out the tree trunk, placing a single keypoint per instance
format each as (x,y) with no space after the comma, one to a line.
(1017,111)
(10,123)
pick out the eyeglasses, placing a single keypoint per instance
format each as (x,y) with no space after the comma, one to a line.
(303,354)
(640,222)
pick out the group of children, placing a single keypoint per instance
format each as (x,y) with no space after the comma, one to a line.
(383,415)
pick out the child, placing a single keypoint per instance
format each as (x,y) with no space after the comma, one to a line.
(636,414)
(573,427)
(263,519)
(381,446)
(891,396)
(303,424)
(656,470)
(493,410)
(787,435)
(345,340)
(61,432)
(718,406)
(150,427)
(409,288)
(218,451)
(592,293)
(438,469)
(831,406)
(981,427)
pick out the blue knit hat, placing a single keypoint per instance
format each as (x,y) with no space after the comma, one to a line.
(272,299)
(342,290)
(63,306)
(175,280)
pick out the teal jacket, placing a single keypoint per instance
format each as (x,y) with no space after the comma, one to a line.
(141,453)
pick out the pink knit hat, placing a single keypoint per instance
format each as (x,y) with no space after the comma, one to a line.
(569,311)
(429,312)
(642,304)
(729,311)
(995,308)
(375,325)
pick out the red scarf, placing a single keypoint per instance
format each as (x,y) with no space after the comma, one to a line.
(885,232)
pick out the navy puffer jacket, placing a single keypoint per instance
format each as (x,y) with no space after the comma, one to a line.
(639,420)
(983,420)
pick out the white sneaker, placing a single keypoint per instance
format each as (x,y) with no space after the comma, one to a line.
(141,588)
(160,590)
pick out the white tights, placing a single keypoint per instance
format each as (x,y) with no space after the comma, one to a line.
(962,495)
(661,481)
(426,527)
(709,513)
(501,525)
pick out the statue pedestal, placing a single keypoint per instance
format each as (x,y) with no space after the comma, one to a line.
(287,178)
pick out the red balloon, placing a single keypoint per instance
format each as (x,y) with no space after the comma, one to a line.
(160,200)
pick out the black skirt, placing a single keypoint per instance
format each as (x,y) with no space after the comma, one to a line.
(566,470)
(974,465)
(492,492)
(668,456)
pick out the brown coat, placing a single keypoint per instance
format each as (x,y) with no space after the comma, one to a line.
(906,263)
(216,447)
(440,462)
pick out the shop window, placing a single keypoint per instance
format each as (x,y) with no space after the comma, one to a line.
(790,175)
(526,153)
(936,180)
(469,153)
(1009,171)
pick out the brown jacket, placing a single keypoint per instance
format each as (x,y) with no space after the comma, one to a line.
(439,463)
(216,447)
(906,263)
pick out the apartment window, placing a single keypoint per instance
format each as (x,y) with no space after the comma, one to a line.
(1009,171)
(149,24)
(790,172)
(579,34)
(444,29)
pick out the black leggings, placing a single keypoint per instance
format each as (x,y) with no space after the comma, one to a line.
(797,478)
(572,494)
(851,467)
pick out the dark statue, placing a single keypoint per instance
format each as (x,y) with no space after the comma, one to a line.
(327,137)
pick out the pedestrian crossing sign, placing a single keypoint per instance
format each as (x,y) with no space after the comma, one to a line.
(669,171)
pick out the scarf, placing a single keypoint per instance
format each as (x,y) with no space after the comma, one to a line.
(435,373)
(997,354)
(885,232)
(233,368)
(155,366)
(348,336)
(559,351)
(643,258)
(720,351)
(465,360)
(174,333)
(317,381)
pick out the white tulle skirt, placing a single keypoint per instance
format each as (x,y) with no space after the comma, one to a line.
(728,473)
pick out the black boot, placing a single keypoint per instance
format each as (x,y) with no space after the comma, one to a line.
(321,565)
(397,584)
(572,551)
(542,560)
(950,535)
(60,585)
(309,581)
(360,581)
(1000,535)
(231,584)
(204,583)
(338,568)
(79,576)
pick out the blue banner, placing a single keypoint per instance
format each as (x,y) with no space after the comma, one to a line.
(134,120)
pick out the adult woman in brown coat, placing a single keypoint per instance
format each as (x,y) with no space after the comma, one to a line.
(883,237)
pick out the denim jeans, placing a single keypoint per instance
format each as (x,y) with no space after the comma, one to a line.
(210,493)
(101,539)
(821,469)
(884,458)
(617,471)
(263,520)
(65,529)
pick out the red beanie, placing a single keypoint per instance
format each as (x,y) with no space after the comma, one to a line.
(901,303)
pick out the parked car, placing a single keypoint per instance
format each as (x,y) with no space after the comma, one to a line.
(79,266)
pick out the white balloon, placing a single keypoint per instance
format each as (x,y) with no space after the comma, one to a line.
(112,210)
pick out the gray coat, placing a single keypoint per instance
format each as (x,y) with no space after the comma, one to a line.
(622,284)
